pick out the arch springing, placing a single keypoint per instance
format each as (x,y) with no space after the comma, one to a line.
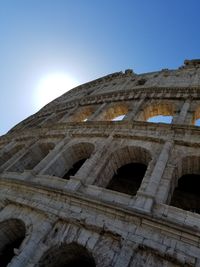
(114,112)
(6,155)
(158,113)
(32,157)
(125,169)
(70,160)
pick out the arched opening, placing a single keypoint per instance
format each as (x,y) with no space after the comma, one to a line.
(56,118)
(114,113)
(32,157)
(158,113)
(74,169)
(161,119)
(82,114)
(187,194)
(12,233)
(125,169)
(128,178)
(6,155)
(70,161)
(35,122)
(119,118)
(67,255)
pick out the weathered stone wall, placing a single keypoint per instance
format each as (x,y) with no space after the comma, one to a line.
(56,217)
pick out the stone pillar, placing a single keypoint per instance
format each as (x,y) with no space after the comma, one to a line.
(69,114)
(97,112)
(34,246)
(44,163)
(181,117)
(135,107)
(144,200)
(126,82)
(3,150)
(8,164)
(89,171)
(49,118)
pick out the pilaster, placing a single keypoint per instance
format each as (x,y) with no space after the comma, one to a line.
(180,118)
(145,200)
(134,109)
(98,111)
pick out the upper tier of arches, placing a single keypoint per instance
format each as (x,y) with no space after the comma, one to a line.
(143,110)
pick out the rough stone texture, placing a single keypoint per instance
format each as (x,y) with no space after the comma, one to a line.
(60,219)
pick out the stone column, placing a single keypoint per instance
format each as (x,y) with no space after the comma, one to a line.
(44,163)
(6,148)
(134,109)
(126,82)
(89,171)
(49,118)
(181,117)
(8,164)
(97,112)
(144,200)
(34,246)
(69,114)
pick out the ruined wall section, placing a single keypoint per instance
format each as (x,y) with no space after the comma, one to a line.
(53,214)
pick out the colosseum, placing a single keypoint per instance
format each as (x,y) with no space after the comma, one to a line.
(107,175)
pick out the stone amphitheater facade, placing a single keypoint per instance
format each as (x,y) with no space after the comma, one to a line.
(62,199)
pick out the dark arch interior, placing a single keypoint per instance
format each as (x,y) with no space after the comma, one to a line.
(72,255)
(187,194)
(7,252)
(74,169)
(8,154)
(128,178)
(12,234)
(32,157)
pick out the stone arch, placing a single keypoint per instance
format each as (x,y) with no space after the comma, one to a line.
(136,159)
(9,153)
(31,158)
(70,160)
(54,118)
(12,234)
(113,112)
(67,255)
(82,114)
(185,192)
(161,111)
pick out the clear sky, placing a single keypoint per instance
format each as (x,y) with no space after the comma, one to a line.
(76,41)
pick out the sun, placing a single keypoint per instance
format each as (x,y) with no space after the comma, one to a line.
(52,86)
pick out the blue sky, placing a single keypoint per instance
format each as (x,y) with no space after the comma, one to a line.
(86,39)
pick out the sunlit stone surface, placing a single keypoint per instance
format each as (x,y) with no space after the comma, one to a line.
(90,180)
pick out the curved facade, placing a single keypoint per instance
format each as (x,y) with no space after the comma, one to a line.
(91,179)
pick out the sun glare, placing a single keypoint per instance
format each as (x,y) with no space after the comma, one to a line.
(52,86)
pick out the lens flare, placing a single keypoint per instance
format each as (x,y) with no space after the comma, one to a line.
(52,86)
